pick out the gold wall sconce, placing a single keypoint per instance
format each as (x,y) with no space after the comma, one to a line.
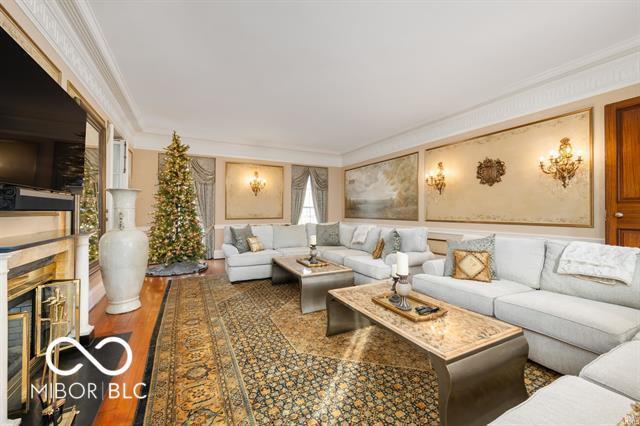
(437,179)
(561,165)
(257,184)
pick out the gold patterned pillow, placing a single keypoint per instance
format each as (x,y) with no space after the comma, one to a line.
(472,265)
(633,418)
(255,244)
(377,252)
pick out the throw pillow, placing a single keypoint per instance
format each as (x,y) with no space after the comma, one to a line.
(472,265)
(239,236)
(377,252)
(392,243)
(328,234)
(255,244)
(487,244)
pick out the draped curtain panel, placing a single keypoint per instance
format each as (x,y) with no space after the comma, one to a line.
(203,170)
(204,178)
(319,190)
(299,177)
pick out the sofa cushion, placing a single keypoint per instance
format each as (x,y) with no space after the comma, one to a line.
(311,230)
(618,294)
(587,324)
(392,242)
(294,251)
(367,265)
(289,236)
(487,244)
(473,295)
(370,242)
(413,239)
(415,258)
(569,400)
(328,234)
(252,258)
(240,236)
(346,234)
(265,233)
(520,259)
(228,238)
(617,370)
(337,256)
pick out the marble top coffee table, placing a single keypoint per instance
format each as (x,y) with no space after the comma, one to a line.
(314,282)
(479,360)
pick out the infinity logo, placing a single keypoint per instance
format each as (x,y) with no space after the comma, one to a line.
(90,357)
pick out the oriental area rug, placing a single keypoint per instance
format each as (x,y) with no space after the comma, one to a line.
(245,354)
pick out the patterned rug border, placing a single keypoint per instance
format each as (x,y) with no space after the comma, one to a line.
(141,408)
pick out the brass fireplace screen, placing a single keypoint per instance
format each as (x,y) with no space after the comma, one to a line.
(39,308)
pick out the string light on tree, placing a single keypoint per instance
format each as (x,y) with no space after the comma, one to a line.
(175,234)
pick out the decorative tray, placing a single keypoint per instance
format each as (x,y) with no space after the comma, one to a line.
(305,261)
(383,300)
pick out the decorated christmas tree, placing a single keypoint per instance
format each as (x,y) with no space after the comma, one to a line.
(175,235)
(89,209)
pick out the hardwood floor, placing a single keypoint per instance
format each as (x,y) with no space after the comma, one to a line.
(140,324)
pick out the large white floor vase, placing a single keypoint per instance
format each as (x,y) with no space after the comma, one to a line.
(123,255)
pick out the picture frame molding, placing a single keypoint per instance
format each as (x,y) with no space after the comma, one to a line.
(590,174)
(226,194)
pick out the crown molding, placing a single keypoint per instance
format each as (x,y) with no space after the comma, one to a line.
(58,26)
(600,73)
(207,147)
(71,28)
(84,23)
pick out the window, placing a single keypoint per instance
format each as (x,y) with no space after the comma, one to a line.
(308,214)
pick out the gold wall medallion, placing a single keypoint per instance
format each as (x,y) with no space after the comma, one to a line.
(490,171)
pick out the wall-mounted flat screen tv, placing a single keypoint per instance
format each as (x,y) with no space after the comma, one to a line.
(42,129)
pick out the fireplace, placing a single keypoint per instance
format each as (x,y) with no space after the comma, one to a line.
(33,292)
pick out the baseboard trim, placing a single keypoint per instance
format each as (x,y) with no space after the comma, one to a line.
(218,254)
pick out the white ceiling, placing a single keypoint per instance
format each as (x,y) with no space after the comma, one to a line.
(334,77)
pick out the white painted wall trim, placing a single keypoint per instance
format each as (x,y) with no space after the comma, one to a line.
(205,147)
(622,69)
(73,31)
(96,294)
(218,254)
(54,24)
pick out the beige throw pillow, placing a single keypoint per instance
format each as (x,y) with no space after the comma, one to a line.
(472,265)
(255,244)
(377,252)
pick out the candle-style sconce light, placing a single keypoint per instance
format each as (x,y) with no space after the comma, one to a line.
(561,164)
(257,184)
(437,179)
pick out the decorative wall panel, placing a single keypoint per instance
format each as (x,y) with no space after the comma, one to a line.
(387,189)
(241,203)
(524,195)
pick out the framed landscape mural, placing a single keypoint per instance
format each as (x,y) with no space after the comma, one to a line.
(241,203)
(496,178)
(387,189)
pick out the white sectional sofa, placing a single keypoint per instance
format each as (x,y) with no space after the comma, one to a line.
(568,322)
(601,395)
(293,240)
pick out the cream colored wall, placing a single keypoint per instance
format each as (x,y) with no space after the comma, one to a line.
(145,177)
(595,233)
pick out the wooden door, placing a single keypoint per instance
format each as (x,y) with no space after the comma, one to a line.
(622,172)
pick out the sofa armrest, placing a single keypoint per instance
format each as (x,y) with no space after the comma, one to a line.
(434,266)
(229,250)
